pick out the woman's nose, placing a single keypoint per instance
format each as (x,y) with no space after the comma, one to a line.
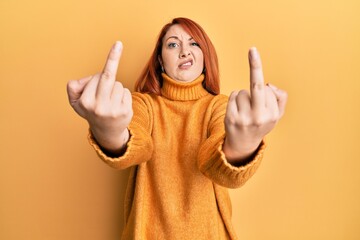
(184,52)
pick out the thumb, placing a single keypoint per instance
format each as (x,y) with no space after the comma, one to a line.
(75,88)
(281,97)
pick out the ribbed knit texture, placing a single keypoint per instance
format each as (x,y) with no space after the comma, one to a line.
(179,175)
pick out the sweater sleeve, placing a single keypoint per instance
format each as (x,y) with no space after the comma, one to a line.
(211,159)
(139,147)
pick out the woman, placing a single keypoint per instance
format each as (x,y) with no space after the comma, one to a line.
(185,143)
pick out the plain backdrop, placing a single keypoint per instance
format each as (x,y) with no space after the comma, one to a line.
(52,184)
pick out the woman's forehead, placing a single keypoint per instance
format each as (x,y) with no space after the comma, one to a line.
(177,32)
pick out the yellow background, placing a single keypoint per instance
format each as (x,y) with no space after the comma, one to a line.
(53,186)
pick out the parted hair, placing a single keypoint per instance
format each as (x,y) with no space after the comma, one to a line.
(150,80)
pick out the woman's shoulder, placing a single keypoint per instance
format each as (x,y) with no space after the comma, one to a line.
(139,94)
(217,103)
(142,99)
(219,99)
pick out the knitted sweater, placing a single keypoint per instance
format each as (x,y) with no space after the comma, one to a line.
(179,176)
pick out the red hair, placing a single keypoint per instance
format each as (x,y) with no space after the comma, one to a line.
(150,80)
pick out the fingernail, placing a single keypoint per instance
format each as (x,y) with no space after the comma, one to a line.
(253,53)
(272,86)
(118,46)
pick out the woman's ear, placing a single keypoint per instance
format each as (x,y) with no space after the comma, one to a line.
(160,60)
(161,63)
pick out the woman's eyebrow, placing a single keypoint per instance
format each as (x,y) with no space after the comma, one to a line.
(173,37)
(178,38)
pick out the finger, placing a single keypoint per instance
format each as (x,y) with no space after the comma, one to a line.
(256,80)
(232,106)
(87,98)
(243,103)
(117,93)
(127,98)
(281,97)
(108,75)
(271,104)
(75,88)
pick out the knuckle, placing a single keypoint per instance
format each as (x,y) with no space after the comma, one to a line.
(106,75)
(71,85)
(240,95)
(233,95)
(127,110)
(243,92)
(243,122)
(240,121)
(285,95)
(246,121)
(86,103)
(120,113)
(127,95)
(257,85)
(269,119)
(255,63)
(274,119)
(230,119)
(127,91)
(115,114)
(258,122)
(100,111)
(118,88)
(118,84)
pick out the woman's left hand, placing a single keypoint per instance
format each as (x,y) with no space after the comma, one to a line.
(250,116)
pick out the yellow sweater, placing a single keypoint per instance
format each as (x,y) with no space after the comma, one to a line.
(179,175)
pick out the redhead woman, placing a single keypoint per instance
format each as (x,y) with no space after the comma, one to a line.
(184,142)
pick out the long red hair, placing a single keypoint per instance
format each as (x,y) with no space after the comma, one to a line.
(150,80)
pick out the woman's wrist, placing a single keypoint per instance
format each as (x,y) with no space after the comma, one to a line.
(238,152)
(111,142)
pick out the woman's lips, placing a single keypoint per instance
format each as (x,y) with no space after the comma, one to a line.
(186,64)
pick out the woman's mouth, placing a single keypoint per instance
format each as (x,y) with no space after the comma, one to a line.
(186,64)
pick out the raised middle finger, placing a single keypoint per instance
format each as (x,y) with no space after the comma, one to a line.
(108,75)
(257,87)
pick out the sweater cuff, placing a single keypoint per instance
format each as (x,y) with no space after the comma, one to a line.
(138,149)
(217,168)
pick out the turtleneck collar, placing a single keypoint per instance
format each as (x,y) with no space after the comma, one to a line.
(183,91)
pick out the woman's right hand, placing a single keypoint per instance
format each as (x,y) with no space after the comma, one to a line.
(104,103)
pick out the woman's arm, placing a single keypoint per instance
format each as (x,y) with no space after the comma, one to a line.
(250,116)
(212,161)
(139,147)
(105,104)
(234,148)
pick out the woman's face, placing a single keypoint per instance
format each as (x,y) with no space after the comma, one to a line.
(181,56)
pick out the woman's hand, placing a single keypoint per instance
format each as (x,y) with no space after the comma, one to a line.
(104,103)
(250,116)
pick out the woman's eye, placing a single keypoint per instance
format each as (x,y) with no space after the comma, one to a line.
(195,44)
(172,45)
